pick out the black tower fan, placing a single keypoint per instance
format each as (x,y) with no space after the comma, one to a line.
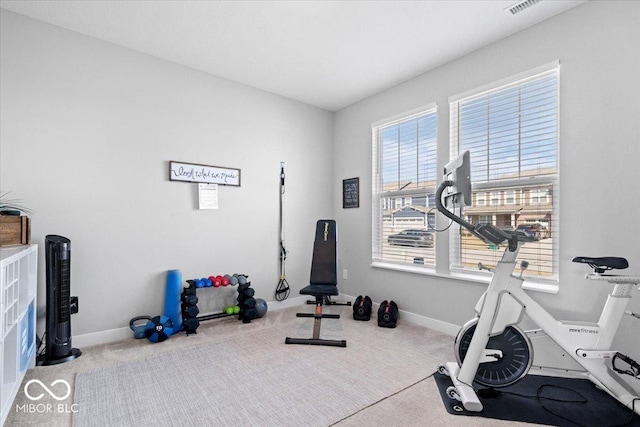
(57,338)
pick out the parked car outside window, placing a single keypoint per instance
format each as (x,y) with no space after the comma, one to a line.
(535,231)
(417,238)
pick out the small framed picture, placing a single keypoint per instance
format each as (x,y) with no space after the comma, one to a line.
(351,193)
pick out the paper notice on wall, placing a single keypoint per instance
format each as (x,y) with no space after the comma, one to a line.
(208,196)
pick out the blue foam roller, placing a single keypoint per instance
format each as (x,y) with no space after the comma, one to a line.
(172,299)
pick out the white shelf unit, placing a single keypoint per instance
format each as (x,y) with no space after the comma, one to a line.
(18,284)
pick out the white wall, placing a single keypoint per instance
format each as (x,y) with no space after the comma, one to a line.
(597,45)
(87,130)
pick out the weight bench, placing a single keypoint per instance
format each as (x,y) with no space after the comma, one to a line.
(322,284)
(329,301)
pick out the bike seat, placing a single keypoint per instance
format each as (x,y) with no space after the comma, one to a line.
(602,264)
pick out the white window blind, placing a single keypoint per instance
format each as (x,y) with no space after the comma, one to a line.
(405,172)
(511,132)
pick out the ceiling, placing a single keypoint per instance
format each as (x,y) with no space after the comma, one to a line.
(328,54)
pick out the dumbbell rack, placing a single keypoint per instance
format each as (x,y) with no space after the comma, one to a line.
(189,307)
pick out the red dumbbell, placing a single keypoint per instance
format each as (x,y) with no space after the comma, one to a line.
(216,281)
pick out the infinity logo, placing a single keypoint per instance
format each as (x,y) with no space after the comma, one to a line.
(52,394)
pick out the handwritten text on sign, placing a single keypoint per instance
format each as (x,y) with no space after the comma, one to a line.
(191,172)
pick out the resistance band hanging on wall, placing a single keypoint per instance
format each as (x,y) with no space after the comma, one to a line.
(282,290)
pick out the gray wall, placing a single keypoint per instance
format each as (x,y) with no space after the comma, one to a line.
(87,131)
(597,45)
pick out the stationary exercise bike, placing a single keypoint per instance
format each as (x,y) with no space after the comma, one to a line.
(493,351)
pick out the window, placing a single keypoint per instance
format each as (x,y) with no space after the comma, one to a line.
(404,172)
(495,198)
(485,219)
(509,197)
(539,196)
(511,131)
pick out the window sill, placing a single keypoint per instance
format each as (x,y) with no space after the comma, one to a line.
(406,268)
(548,287)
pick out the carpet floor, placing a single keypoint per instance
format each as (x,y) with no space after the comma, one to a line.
(350,392)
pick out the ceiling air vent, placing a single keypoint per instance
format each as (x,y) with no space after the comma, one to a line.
(521,5)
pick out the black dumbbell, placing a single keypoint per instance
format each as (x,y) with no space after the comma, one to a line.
(190,325)
(191,311)
(190,299)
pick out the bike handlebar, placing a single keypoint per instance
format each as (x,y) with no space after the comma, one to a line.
(486,232)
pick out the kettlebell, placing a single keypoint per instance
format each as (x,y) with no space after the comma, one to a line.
(138,330)
(388,314)
(362,308)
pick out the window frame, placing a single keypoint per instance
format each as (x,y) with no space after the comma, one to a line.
(507,196)
(402,195)
(539,196)
(516,185)
(445,268)
(495,201)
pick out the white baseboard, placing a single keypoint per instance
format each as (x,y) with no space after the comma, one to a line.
(437,325)
(111,335)
(102,337)
(427,322)
(289,302)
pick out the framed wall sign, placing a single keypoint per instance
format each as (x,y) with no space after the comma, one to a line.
(351,193)
(193,172)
